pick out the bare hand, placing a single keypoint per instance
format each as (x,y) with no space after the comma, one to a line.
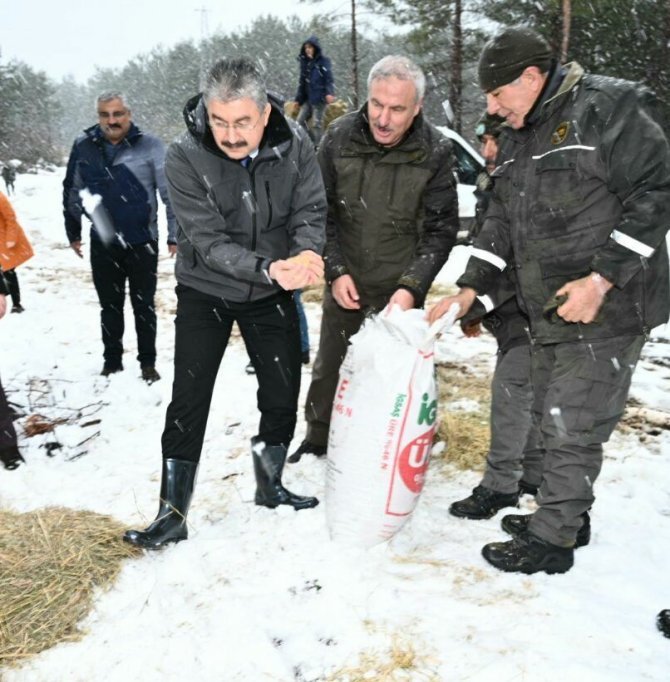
(172,250)
(298,271)
(402,298)
(76,247)
(464,299)
(330,99)
(345,293)
(3,305)
(585,298)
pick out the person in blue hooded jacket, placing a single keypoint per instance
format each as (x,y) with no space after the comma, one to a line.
(315,88)
(113,174)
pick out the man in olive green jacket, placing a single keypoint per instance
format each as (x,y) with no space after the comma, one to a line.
(392,220)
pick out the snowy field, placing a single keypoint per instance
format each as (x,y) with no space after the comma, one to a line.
(264,595)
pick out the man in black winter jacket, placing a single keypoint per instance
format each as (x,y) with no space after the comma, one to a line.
(392,221)
(581,206)
(251,209)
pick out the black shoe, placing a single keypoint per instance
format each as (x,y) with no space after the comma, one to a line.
(18,308)
(527,488)
(268,467)
(149,374)
(250,369)
(515,524)
(526,553)
(11,457)
(111,368)
(305,357)
(483,503)
(306,447)
(177,485)
(663,622)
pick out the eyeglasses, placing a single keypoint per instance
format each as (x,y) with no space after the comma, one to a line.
(238,126)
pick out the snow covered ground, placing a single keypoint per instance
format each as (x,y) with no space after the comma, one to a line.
(256,594)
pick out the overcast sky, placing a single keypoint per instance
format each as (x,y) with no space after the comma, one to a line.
(73,36)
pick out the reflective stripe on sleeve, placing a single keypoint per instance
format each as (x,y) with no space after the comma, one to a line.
(486,301)
(489,257)
(633,244)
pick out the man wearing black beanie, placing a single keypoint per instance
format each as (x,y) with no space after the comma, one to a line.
(580,211)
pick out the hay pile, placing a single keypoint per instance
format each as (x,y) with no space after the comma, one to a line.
(51,562)
(466,433)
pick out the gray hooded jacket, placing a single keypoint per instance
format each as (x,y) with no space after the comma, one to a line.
(234,221)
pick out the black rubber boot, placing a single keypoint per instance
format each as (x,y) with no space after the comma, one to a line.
(11,457)
(483,503)
(268,466)
(176,491)
(527,553)
(663,622)
(515,524)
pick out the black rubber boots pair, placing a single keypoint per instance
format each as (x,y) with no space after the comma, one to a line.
(178,482)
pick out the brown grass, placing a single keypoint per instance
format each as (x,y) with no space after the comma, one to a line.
(52,561)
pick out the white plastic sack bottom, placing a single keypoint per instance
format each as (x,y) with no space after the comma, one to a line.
(382,426)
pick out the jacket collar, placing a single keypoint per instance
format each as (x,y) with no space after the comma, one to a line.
(277,134)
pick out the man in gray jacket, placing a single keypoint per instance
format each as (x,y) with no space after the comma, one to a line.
(580,208)
(251,208)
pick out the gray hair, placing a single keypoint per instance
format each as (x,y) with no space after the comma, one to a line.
(109,95)
(403,68)
(231,79)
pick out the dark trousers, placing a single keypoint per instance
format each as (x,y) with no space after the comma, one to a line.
(202,328)
(7,431)
(580,390)
(12,280)
(112,265)
(338,325)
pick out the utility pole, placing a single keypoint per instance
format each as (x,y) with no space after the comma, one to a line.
(354,55)
(204,29)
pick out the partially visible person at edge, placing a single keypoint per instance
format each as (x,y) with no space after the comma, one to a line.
(392,221)
(15,249)
(9,176)
(9,452)
(581,207)
(251,209)
(315,88)
(113,174)
(514,460)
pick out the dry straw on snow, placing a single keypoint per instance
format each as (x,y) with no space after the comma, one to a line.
(51,562)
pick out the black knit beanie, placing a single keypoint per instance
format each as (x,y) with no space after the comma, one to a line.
(508,53)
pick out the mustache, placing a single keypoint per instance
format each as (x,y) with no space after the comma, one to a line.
(233,145)
(113,125)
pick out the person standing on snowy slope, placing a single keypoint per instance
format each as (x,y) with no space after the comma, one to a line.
(581,207)
(392,221)
(251,208)
(120,169)
(315,87)
(514,460)
(9,452)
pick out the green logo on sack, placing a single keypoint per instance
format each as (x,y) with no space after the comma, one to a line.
(427,411)
(397,407)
